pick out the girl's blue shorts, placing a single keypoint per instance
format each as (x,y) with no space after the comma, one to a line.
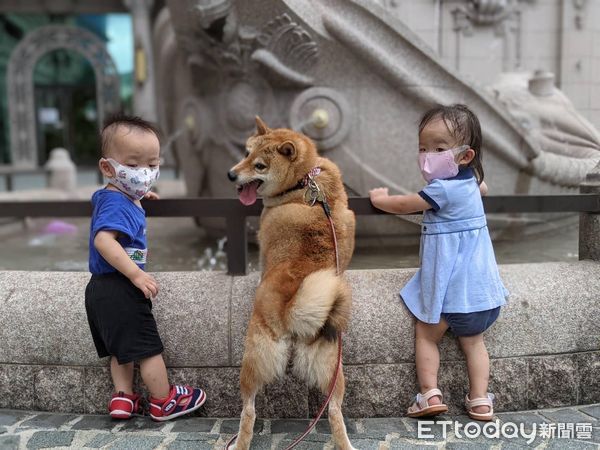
(471,324)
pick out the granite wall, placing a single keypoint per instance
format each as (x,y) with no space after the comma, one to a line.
(545,347)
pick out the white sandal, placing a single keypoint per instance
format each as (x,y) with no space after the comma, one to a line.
(422,408)
(483,401)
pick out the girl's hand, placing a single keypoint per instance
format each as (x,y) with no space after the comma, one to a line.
(483,188)
(151,196)
(378,193)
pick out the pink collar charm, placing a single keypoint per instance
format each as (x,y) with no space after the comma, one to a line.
(311,174)
(306,181)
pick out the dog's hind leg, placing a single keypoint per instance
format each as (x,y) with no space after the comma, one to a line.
(336,419)
(316,363)
(264,360)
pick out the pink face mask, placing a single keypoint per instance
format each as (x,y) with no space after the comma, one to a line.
(440,165)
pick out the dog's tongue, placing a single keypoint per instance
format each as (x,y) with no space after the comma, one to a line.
(248,193)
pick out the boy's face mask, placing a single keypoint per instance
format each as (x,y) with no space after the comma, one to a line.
(440,165)
(135,182)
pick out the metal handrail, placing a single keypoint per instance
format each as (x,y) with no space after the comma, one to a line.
(235,213)
(225,207)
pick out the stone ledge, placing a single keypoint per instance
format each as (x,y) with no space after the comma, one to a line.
(544,354)
(372,390)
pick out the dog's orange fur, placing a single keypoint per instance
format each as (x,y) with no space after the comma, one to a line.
(300,303)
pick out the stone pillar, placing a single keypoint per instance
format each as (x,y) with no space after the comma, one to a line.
(63,173)
(144,93)
(589,223)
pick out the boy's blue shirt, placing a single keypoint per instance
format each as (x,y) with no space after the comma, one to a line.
(114,211)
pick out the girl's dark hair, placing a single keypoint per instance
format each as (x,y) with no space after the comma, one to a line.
(463,125)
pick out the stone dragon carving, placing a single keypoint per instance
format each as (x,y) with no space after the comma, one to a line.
(355,79)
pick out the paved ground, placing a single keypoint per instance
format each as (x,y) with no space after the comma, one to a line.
(560,429)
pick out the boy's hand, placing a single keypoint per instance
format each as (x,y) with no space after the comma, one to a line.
(151,196)
(146,283)
(378,192)
(107,245)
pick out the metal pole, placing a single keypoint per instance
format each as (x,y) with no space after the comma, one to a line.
(237,245)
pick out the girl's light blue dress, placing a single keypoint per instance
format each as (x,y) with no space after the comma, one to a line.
(458,271)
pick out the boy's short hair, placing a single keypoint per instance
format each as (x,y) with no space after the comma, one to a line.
(131,122)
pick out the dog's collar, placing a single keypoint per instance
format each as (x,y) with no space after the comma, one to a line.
(303,182)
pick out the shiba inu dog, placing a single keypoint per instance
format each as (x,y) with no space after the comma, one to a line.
(301,304)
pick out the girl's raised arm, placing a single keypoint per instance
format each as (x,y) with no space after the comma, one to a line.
(397,204)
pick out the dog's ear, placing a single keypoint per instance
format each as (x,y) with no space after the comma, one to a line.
(288,149)
(261,127)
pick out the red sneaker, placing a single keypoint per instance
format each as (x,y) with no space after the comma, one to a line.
(181,400)
(122,405)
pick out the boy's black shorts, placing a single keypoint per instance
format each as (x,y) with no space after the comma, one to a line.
(121,319)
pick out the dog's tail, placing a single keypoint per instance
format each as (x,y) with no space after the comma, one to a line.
(321,306)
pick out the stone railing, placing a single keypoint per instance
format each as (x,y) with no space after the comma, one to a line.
(544,348)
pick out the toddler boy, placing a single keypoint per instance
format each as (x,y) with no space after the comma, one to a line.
(118,297)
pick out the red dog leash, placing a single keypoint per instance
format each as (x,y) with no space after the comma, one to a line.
(332,385)
(333,381)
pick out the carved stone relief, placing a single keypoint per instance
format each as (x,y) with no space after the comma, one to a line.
(247,65)
(505,18)
(240,101)
(570,144)
(281,47)
(579,6)
(486,12)
(377,67)
(323,114)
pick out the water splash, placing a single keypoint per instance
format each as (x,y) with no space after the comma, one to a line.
(44,240)
(214,259)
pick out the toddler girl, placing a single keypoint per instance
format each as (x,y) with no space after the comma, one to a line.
(458,286)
